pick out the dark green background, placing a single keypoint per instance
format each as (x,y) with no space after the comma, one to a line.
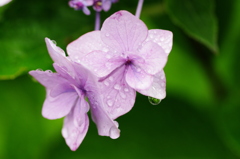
(200,117)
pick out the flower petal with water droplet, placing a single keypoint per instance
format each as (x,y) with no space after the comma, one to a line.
(154,58)
(163,38)
(157,88)
(76,124)
(125,31)
(118,96)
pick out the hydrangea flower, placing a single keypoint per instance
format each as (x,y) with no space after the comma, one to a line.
(81,5)
(127,57)
(66,93)
(105,5)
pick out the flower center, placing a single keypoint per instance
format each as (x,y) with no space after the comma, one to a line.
(128,62)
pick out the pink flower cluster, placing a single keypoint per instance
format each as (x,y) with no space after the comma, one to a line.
(107,67)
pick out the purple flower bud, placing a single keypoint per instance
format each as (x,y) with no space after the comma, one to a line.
(105,5)
(81,5)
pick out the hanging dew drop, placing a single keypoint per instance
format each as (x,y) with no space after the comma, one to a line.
(154,101)
(53,41)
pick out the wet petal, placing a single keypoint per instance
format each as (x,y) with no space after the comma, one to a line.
(158,87)
(164,38)
(123,32)
(85,44)
(76,124)
(137,78)
(101,63)
(118,96)
(58,55)
(154,58)
(59,106)
(105,124)
(47,78)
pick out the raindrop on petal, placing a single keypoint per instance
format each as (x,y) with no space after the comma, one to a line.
(114,132)
(117,87)
(110,102)
(154,101)
(106,83)
(126,90)
(53,41)
(65,133)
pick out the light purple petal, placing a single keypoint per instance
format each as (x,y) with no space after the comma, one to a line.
(118,96)
(88,2)
(86,11)
(105,124)
(101,63)
(123,32)
(59,106)
(76,124)
(47,78)
(164,38)
(106,5)
(85,44)
(154,58)
(58,55)
(158,87)
(137,78)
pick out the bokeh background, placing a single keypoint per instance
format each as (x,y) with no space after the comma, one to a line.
(199,119)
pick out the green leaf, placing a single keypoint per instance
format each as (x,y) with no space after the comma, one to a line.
(24,132)
(197,19)
(24,28)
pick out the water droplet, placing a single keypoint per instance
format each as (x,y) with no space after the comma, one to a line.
(126,90)
(162,39)
(107,35)
(53,41)
(105,49)
(122,95)
(116,123)
(111,78)
(154,101)
(114,132)
(106,83)
(117,87)
(108,65)
(49,71)
(138,69)
(110,103)
(108,97)
(65,133)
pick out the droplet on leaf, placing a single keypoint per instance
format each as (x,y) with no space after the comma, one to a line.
(154,101)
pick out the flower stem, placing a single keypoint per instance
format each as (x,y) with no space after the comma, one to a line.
(139,8)
(97,21)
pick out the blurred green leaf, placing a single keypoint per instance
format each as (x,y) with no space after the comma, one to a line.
(197,19)
(227,63)
(24,28)
(24,132)
(228,122)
